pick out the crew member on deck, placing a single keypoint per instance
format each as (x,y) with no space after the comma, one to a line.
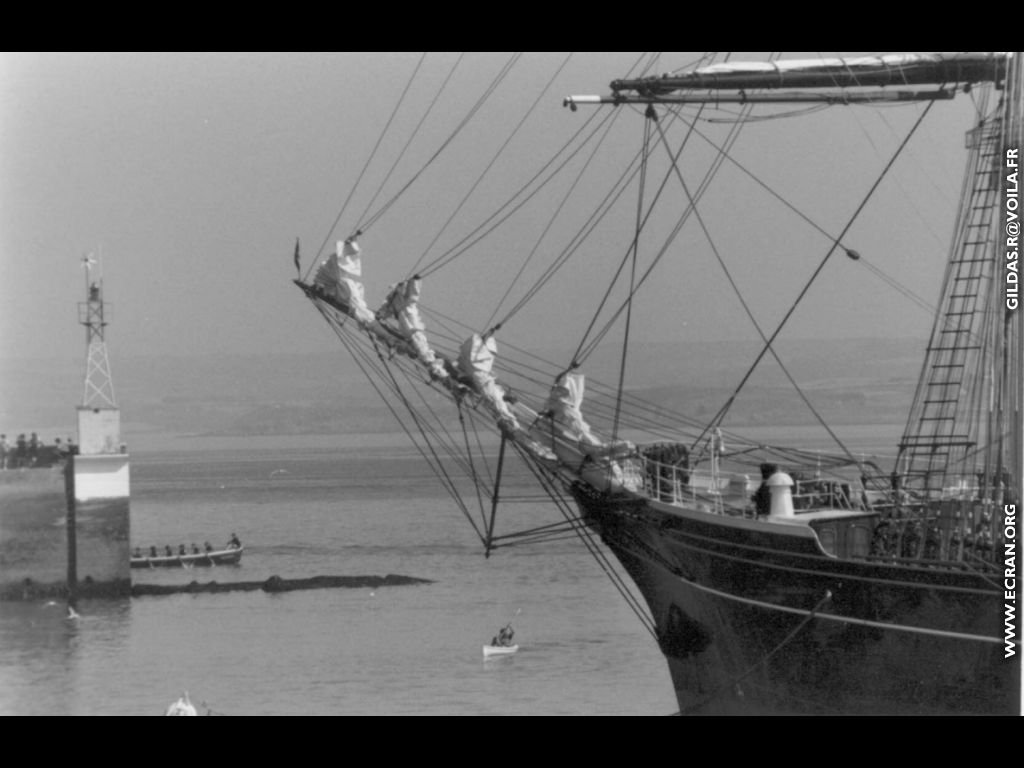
(234,543)
(763,495)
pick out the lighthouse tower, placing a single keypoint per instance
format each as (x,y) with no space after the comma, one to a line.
(99,419)
(64,526)
(99,386)
(98,492)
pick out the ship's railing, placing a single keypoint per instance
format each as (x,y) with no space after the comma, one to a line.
(733,492)
(961,530)
(828,493)
(957,521)
(673,482)
(970,532)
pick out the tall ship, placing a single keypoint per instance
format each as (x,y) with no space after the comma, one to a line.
(775,579)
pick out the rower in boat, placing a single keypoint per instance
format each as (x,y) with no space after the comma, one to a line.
(504,637)
(501,643)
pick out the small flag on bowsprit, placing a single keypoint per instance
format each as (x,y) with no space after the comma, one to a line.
(298,268)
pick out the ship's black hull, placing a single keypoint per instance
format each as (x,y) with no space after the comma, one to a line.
(755,620)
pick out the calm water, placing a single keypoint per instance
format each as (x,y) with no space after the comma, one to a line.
(306,507)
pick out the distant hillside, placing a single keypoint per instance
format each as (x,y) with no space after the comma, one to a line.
(849,382)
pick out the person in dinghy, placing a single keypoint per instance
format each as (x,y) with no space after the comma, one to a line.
(504,637)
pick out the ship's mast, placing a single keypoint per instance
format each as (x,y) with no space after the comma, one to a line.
(1015,113)
(959,432)
(99,386)
(945,441)
(1013,315)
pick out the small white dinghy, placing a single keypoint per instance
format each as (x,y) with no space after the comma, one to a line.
(181,708)
(499,650)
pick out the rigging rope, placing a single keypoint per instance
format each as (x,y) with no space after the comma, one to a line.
(472,467)
(723,151)
(362,360)
(544,533)
(409,141)
(369,160)
(655,420)
(651,117)
(878,272)
(603,208)
(746,307)
(476,235)
(547,274)
(725,408)
(578,356)
(444,145)
(764,118)
(701,189)
(493,160)
(586,537)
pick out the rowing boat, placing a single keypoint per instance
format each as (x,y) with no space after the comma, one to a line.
(229,556)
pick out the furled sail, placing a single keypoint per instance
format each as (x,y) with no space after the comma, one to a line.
(403,304)
(340,276)
(889,70)
(476,361)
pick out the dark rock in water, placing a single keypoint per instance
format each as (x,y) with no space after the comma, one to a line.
(88,588)
(277,584)
(274,584)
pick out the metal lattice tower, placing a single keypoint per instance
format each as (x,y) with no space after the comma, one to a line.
(99,386)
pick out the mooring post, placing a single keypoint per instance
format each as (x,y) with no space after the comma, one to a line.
(69,490)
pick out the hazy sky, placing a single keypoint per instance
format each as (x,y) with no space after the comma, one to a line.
(191,175)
